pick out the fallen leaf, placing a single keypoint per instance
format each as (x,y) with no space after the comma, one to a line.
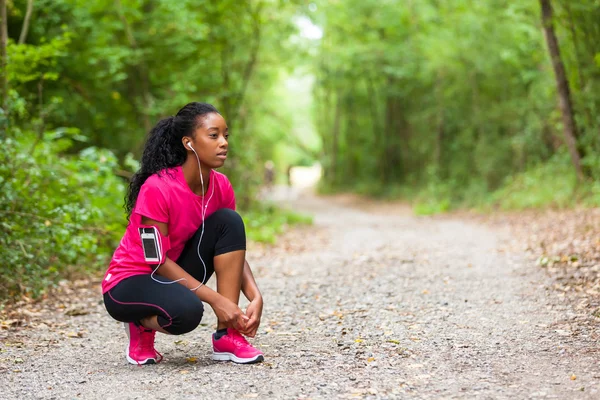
(370,359)
(73,312)
(192,359)
(573,377)
(30,314)
(563,332)
(5,324)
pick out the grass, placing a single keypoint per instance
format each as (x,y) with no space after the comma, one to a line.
(265,223)
(552,184)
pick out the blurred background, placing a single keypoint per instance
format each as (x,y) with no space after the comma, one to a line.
(445,104)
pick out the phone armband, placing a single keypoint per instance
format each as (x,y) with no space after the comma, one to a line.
(154,244)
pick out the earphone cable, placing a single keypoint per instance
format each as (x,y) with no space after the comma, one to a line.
(203,214)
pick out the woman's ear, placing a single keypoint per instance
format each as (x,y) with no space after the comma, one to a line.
(187,143)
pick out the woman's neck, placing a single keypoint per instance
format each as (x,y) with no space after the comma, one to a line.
(192,176)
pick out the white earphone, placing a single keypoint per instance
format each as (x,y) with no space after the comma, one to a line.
(203,213)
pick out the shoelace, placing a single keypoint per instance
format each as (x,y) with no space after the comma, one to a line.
(239,339)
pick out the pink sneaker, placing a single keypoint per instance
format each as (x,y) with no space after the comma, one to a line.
(234,347)
(140,349)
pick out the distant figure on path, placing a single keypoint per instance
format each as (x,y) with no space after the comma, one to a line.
(289,175)
(269,177)
(182,228)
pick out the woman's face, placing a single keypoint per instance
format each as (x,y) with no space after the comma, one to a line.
(210,140)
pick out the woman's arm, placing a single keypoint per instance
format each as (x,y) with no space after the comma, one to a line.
(254,310)
(249,286)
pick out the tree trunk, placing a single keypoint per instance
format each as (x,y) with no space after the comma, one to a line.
(564,94)
(587,106)
(378,131)
(25,28)
(226,100)
(251,64)
(439,142)
(386,143)
(143,72)
(3,40)
(438,155)
(336,136)
(576,46)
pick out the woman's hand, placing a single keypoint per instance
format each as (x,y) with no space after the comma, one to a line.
(230,314)
(254,313)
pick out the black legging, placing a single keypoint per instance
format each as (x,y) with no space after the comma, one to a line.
(179,310)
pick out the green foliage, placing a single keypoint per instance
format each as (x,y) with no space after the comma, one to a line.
(448,103)
(448,99)
(264,223)
(91,80)
(57,211)
(36,63)
(551,184)
(124,64)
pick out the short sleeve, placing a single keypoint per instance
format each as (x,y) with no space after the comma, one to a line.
(152,202)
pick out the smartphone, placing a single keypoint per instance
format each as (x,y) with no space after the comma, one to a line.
(151,245)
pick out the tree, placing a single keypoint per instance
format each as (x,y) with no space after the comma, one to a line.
(562,84)
(3,56)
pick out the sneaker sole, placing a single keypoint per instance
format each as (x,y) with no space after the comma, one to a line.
(231,357)
(147,361)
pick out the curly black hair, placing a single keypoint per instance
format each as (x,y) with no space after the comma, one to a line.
(164,149)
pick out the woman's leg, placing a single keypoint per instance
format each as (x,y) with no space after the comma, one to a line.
(168,308)
(229,268)
(147,306)
(222,248)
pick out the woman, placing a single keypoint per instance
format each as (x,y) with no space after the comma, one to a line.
(182,228)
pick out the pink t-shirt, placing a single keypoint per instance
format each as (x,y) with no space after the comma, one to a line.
(166,197)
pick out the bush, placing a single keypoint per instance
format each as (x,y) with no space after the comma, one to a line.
(59,213)
(552,183)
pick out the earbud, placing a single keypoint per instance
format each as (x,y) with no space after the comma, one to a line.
(190,146)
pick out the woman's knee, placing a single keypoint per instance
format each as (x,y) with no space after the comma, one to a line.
(229,217)
(187,318)
(231,225)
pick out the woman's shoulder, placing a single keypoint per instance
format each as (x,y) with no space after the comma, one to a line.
(221,178)
(161,183)
(162,178)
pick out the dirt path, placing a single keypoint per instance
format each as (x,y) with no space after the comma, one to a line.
(371,302)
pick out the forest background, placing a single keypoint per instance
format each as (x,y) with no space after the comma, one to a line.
(444,103)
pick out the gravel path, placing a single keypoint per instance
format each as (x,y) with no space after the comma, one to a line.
(371,302)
